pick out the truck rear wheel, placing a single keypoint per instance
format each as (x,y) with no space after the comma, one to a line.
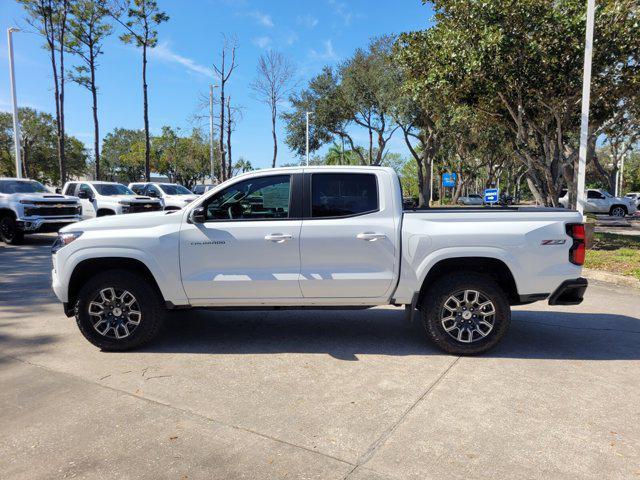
(466,313)
(118,310)
(9,232)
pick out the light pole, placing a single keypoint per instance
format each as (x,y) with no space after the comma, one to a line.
(16,120)
(584,118)
(211,87)
(308,113)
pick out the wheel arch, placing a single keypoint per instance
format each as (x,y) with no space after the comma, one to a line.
(491,266)
(85,269)
(7,211)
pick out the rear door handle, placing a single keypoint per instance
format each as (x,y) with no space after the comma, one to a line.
(278,237)
(371,237)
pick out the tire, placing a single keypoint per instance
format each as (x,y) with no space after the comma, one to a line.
(481,338)
(113,314)
(618,211)
(9,232)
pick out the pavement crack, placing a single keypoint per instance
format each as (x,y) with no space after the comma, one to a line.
(367,455)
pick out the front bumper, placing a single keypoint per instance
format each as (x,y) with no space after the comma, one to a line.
(570,292)
(41,224)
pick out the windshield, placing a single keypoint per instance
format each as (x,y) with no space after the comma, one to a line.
(112,189)
(22,186)
(606,194)
(173,189)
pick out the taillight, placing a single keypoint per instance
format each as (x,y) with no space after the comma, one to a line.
(578,249)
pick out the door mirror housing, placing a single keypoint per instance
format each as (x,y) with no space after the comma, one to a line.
(58,190)
(84,195)
(153,193)
(198,215)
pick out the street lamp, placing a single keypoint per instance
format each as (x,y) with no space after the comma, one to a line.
(307,114)
(584,118)
(16,120)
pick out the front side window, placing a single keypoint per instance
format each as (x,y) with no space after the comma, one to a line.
(594,194)
(254,199)
(86,189)
(343,194)
(153,191)
(22,186)
(109,189)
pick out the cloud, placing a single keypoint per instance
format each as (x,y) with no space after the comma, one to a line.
(307,20)
(163,52)
(342,10)
(262,18)
(262,42)
(327,54)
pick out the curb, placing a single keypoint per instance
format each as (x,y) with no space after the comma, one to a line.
(610,278)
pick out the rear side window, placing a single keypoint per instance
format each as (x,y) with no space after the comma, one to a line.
(343,194)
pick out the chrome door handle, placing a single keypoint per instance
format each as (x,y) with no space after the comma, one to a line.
(278,237)
(371,237)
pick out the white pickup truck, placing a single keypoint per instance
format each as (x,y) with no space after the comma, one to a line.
(26,206)
(318,237)
(100,199)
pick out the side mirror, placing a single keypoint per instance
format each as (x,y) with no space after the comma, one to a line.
(198,215)
(83,195)
(153,193)
(58,190)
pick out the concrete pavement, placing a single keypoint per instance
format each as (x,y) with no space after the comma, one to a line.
(322,394)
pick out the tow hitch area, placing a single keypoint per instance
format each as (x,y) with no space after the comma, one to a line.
(570,292)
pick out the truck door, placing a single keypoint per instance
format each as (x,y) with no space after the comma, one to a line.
(596,202)
(87,200)
(347,242)
(249,245)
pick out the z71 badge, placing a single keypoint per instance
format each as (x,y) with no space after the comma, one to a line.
(553,242)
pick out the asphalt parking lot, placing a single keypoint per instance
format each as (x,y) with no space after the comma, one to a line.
(315,394)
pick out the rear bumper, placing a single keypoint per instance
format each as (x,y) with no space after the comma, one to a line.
(570,292)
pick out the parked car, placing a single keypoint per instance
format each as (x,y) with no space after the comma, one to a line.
(471,199)
(601,201)
(171,195)
(27,206)
(203,188)
(318,237)
(99,199)
(635,197)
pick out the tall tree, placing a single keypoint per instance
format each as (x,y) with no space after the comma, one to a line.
(271,86)
(223,71)
(88,28)
(143,16)
(50,19)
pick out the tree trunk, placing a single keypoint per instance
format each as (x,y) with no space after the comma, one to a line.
(223,163)
(63,157)
(96,129)
(273,133)
(56,93)
(147,141)
(229,166)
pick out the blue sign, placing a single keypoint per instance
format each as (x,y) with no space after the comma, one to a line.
(449,179)
(491,195)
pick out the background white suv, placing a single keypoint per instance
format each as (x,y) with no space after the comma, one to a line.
(601,201)
(109,198)
(171,195)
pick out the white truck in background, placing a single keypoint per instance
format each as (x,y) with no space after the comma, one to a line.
(99,199)
(318,237)
(171,195)
(26,206)
(601,201)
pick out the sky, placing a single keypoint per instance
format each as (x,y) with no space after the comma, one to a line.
(311,34)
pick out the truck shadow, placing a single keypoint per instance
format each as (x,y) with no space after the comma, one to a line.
(345,334)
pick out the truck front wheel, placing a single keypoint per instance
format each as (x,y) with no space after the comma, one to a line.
(465,313)
(9,232)
(118,310)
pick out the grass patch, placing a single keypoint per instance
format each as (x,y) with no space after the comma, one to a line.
(615,253)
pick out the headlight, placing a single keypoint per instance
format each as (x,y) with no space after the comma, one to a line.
(124,202)
(64,239)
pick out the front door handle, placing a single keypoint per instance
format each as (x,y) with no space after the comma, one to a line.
(371,237)
(278,237)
